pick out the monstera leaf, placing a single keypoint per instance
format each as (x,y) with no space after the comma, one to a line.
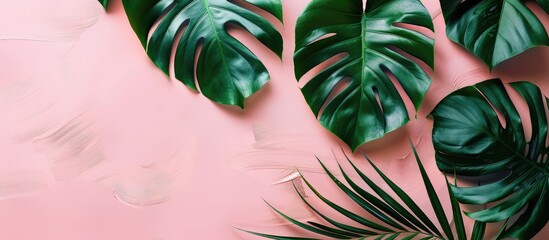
(470,140)
(373,41)
(226,71)
(104,3)
(390,219)
(494,30)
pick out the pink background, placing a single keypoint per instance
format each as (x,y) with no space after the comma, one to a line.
(96,143)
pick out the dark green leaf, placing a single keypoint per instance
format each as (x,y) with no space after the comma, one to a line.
(370,105)
(407,200)
(392,236)
(494,30)
(346,212)
(308,227)
(544,4)
(525,230)
(469,138)
(104,3)
(435,201)
(334,230)
(458,218)
(379,203)
(531,221)
(392,202)
(410,236)
(478,231)
(226,71)
(336,223)
(360,201)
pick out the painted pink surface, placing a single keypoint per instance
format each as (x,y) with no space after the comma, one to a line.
(160,161)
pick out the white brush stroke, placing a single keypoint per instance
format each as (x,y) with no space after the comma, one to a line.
(50,107)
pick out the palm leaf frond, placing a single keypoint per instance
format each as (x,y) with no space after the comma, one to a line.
(392,220)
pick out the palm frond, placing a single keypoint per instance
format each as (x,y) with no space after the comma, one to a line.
(392,220)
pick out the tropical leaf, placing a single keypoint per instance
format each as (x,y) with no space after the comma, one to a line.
(370,105)
(470,139)
(104,3)
(397,221)
(494,30)
(227,72)
(544,4)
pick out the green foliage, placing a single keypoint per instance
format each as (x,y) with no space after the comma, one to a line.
(227,72)
(370,105)
(399,221)
(470,140)
(494,30)
(104,3)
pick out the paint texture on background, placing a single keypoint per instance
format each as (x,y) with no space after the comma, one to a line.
(76,84)
(46,102)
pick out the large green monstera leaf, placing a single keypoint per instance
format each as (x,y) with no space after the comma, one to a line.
(470,140)
(494,30)
(372,39)
(226,71)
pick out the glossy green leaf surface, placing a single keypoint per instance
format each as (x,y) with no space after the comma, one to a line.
(226,71)
(104,3)
(471,140)
(384,209)
(494,30)
(372,40)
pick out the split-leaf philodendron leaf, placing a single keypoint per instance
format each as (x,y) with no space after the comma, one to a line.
(471,140)
(494,30)
(104,3)
(370,105)
(227,72)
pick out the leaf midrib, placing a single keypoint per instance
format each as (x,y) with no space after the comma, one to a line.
(497,34)
(493,136)
(216,34)
(363,63)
